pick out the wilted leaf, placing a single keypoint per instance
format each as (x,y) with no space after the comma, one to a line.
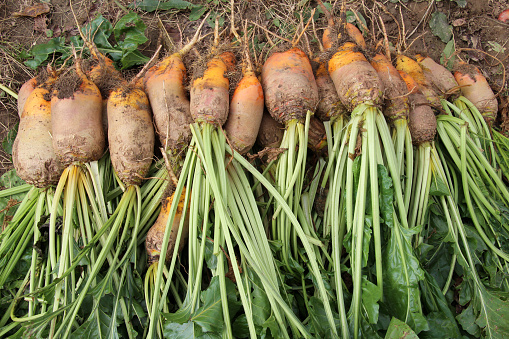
(447,55)
(440,27)
(153,5)
(33,11)
(495,47)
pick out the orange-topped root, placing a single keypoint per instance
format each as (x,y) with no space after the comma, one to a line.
(154,239)
(395,88)
(32,151)
(246,111)
(289,85)
(476,89)
(76,119)
(355,79)
(210,92)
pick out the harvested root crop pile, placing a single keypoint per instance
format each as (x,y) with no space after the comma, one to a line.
(321,180)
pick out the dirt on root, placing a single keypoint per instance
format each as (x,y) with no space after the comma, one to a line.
(479,37)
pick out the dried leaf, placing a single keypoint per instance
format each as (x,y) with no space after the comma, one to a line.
(33,11)
(41,23)
(459,22)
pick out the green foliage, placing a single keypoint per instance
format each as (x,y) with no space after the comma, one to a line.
(8,141)
(440,27)
(398,330)
(128,36)
(208,318)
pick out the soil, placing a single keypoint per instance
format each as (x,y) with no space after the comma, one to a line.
(476,32)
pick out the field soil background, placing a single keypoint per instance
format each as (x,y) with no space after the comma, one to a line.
(470,27)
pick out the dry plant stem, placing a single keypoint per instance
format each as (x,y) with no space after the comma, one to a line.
(270,32)
(147,66)
(168,42)
(9,91)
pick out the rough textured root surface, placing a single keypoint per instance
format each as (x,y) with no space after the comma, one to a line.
(271,132)
(210,97)
(77,125)
(24,92)
(67,85)
(395,89)
(154,239)
(32,152)
(476,89)
(246,111)
(105,76)
(130,134)
(414,70)
(355,79)
(317,138)
(289,85)
(422,124)
(439,75)
(164,85)
(329,105)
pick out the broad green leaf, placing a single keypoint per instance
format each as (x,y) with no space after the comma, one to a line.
(240,327)
(178,331)
(371,294)
(399,330)
(401,280)
(211,20)
(182,315)
(438,187)
(197,12)
(11,179)
(260,302)
(440,26)
(386,196)
(467,321)
(210,257)
(294,264)
(352,18)
(153,5)
(210,315)
(8,141)
(133,58)
(319,323)
(493,316)
(41,52)
(368,330)
(100,29)
(440,317)
(366,239)
(134,29)
(401,268)
(97,326)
